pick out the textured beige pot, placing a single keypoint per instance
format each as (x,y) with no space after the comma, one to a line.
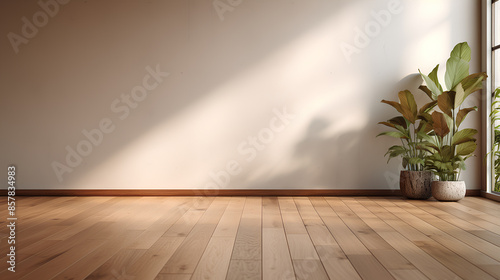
(415,184)
(448,190)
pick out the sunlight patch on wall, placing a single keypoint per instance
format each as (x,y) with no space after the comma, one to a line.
(301,78)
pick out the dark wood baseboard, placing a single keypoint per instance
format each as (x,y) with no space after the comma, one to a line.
(491,196)
(212,192)
(203,192)
(473,193)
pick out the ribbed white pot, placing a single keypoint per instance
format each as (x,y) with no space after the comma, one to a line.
(448,190)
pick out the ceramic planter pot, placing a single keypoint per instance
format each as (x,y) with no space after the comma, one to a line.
(448,190)
(415,184)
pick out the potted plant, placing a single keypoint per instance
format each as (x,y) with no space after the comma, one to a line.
(495,149)
(447,145)
(409,127)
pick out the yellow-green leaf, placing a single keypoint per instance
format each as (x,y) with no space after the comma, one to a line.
(431,85)
(464,135)
(465,149)
(461,51)
(434,78)
(459,96)
(456,70)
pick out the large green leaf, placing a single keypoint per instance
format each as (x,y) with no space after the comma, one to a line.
(466,148)
(456,70)
(463,113)
(459,96)
(439,124)
(446,102)
(464,135)
(408,105)
(461,51)
(431,86)
(434,78)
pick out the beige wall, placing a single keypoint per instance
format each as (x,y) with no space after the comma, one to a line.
(231,73)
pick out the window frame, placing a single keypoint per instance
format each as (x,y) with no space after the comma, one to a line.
(488,171)
(489,48)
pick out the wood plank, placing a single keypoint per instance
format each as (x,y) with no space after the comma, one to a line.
(62,261)
(411,274)
(474,249)
(301,247)
(458,265)
(460,218)
(389,257)
(307,212)
(479,227)
(468,261)
(230,221)
(173,277)
(244,270)
(336,263)
(369,267)
(186,257)
(419,258)
(310,270)
(116,267)
(484,205)
(149,264)
(276,260)
(271,215)
(398,234)
(214,263)
(186,223)
(299,242)
(350,244)
(85,266)
(291,218)
(46,257)
(249,238)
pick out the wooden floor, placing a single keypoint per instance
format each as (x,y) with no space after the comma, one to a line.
(253,238)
